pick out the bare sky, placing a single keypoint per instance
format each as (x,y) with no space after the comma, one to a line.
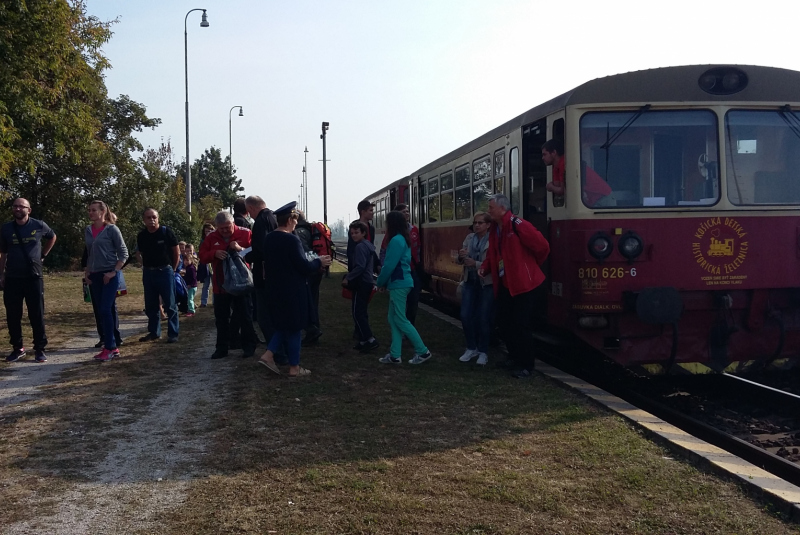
(401,83)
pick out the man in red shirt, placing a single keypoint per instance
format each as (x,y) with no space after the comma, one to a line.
(516,250)
(228,239)
(594,188)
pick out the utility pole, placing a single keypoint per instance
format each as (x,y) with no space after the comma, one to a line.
(325,126)
(305,181)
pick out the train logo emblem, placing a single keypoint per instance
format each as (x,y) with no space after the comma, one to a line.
(720,245)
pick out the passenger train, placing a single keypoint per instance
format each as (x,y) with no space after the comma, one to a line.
(692,263)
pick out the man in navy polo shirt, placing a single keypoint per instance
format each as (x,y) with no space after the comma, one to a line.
(21,256)
(159,250)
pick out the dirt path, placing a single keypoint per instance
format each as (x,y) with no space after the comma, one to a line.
(149,462)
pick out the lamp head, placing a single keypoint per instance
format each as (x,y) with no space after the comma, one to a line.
(241,112)
(204,22)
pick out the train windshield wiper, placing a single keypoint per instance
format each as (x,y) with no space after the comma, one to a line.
(791,119)
(621,130)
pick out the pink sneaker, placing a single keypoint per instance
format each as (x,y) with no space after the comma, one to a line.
(105,355)
(190,314)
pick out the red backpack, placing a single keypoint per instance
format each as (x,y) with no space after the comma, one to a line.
(321,239)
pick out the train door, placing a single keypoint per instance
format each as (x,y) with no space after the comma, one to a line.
(534,175)
(534,201)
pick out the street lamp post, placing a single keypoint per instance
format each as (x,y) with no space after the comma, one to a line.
(305,180)
(230,139)
(325,126)
(203,24)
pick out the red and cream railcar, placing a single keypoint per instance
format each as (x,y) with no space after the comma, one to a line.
(691,261)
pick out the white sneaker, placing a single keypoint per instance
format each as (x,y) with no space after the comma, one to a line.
(419,359)
(483,358)
(389,359)
(468,355)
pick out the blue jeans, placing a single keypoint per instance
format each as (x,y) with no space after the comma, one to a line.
(105,295)
(289,340)
(477,308)
(400,325)
(160,283)
(204,292)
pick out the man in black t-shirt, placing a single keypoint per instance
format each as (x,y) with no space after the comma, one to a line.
(21,256)
(159,251)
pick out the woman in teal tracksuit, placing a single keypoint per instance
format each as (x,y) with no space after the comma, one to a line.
(396,277)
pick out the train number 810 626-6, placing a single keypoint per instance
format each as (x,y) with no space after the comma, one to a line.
(605,273)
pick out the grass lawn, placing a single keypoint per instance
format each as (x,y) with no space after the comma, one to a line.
(360,447)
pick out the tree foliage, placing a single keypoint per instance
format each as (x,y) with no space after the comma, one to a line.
(64,142)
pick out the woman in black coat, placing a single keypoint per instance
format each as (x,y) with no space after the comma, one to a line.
(286,271)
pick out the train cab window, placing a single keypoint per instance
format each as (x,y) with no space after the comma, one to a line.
(433,200)
(446,196)
(463,197)
(481,184)
(499,171)
(642,158)
(763,156)
(513,169)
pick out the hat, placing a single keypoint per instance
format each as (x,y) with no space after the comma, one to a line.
(286,209)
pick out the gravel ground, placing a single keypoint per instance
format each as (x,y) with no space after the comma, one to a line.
(147,467)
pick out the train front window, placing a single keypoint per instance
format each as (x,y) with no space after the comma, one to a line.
(648,158)
(763,156)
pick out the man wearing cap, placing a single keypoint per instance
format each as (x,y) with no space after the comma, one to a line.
(228,239)
(263,223)
(286,272)
(21,256)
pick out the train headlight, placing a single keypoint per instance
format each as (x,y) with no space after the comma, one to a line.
(600,246)
(723,80)
(630,245)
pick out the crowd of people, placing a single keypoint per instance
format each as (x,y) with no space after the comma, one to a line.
(268,269)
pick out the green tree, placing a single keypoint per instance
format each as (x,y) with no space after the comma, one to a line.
(63,142)
(212,176)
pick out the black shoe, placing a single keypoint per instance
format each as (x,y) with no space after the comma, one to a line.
(99,344)
(368,346)
(522,373)
(40,356)
(219,354)
(15,355)
(312,337)
(172,340)
(148,337)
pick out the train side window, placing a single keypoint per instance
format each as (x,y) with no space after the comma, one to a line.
(499,171)
(423,202)
(513,168)
(463,193)
(482,183)
(433,200)
(447,196)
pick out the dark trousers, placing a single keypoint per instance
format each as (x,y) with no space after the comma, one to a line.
(313,312)
(227,310)
(160,283)
(412,301)
(514,318)
(358,307)
(31,290)
(104,303)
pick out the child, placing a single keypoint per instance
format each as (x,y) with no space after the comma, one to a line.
(190,276)
(359,281)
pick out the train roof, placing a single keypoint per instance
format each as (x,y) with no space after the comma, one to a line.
(665,84)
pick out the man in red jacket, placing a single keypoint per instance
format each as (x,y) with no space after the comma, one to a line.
(516,250)
(228,239)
